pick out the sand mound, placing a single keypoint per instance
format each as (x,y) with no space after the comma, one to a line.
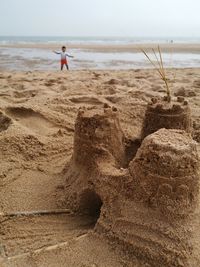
(26,146)
(184,92)
(113,82)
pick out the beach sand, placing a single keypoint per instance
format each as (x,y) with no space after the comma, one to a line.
(37,118)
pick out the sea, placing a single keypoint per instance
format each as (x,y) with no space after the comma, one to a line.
(16,57)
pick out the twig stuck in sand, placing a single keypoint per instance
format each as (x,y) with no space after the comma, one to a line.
(159,67)
(38,212)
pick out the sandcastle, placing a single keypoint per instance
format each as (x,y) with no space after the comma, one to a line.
(149,208)
(163,114)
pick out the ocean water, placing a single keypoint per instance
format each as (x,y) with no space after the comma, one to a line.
(14,58)
(93,40)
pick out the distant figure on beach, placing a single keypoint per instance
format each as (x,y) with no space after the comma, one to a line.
(64,56)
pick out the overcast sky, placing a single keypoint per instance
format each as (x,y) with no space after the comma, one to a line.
(100,17)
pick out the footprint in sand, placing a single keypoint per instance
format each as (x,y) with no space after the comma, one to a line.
(18,87)
(109,89)
(32,120)
(139,77)
(96,76)
(113,99)
(48,84)
(158,88)
(91,100)
(52,82)
(26,93)
(113,82)
(63,88)
(196,84)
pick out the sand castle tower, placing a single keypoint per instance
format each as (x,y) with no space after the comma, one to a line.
(98,142)
(98,134)
(163,114)
(166,172)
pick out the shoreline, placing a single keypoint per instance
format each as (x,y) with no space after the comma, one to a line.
(134,48)
(96,57)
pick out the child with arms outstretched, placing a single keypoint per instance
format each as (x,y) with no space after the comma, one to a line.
(64,57)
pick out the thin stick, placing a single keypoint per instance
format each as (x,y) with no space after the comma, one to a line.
(37,212)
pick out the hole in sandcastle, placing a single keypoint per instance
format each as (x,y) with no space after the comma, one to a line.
(90,204)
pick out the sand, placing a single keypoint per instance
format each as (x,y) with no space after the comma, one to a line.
(38,111)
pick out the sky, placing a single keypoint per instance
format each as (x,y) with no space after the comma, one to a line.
(142,18)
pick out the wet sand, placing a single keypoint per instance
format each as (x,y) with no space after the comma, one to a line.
(175,47)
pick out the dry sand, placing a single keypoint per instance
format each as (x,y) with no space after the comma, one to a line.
(37,117)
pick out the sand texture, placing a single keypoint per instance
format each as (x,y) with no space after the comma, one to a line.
(87,176)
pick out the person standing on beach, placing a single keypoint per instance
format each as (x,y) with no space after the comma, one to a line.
(64,56)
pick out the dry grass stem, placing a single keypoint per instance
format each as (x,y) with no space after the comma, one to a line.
(159,67)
